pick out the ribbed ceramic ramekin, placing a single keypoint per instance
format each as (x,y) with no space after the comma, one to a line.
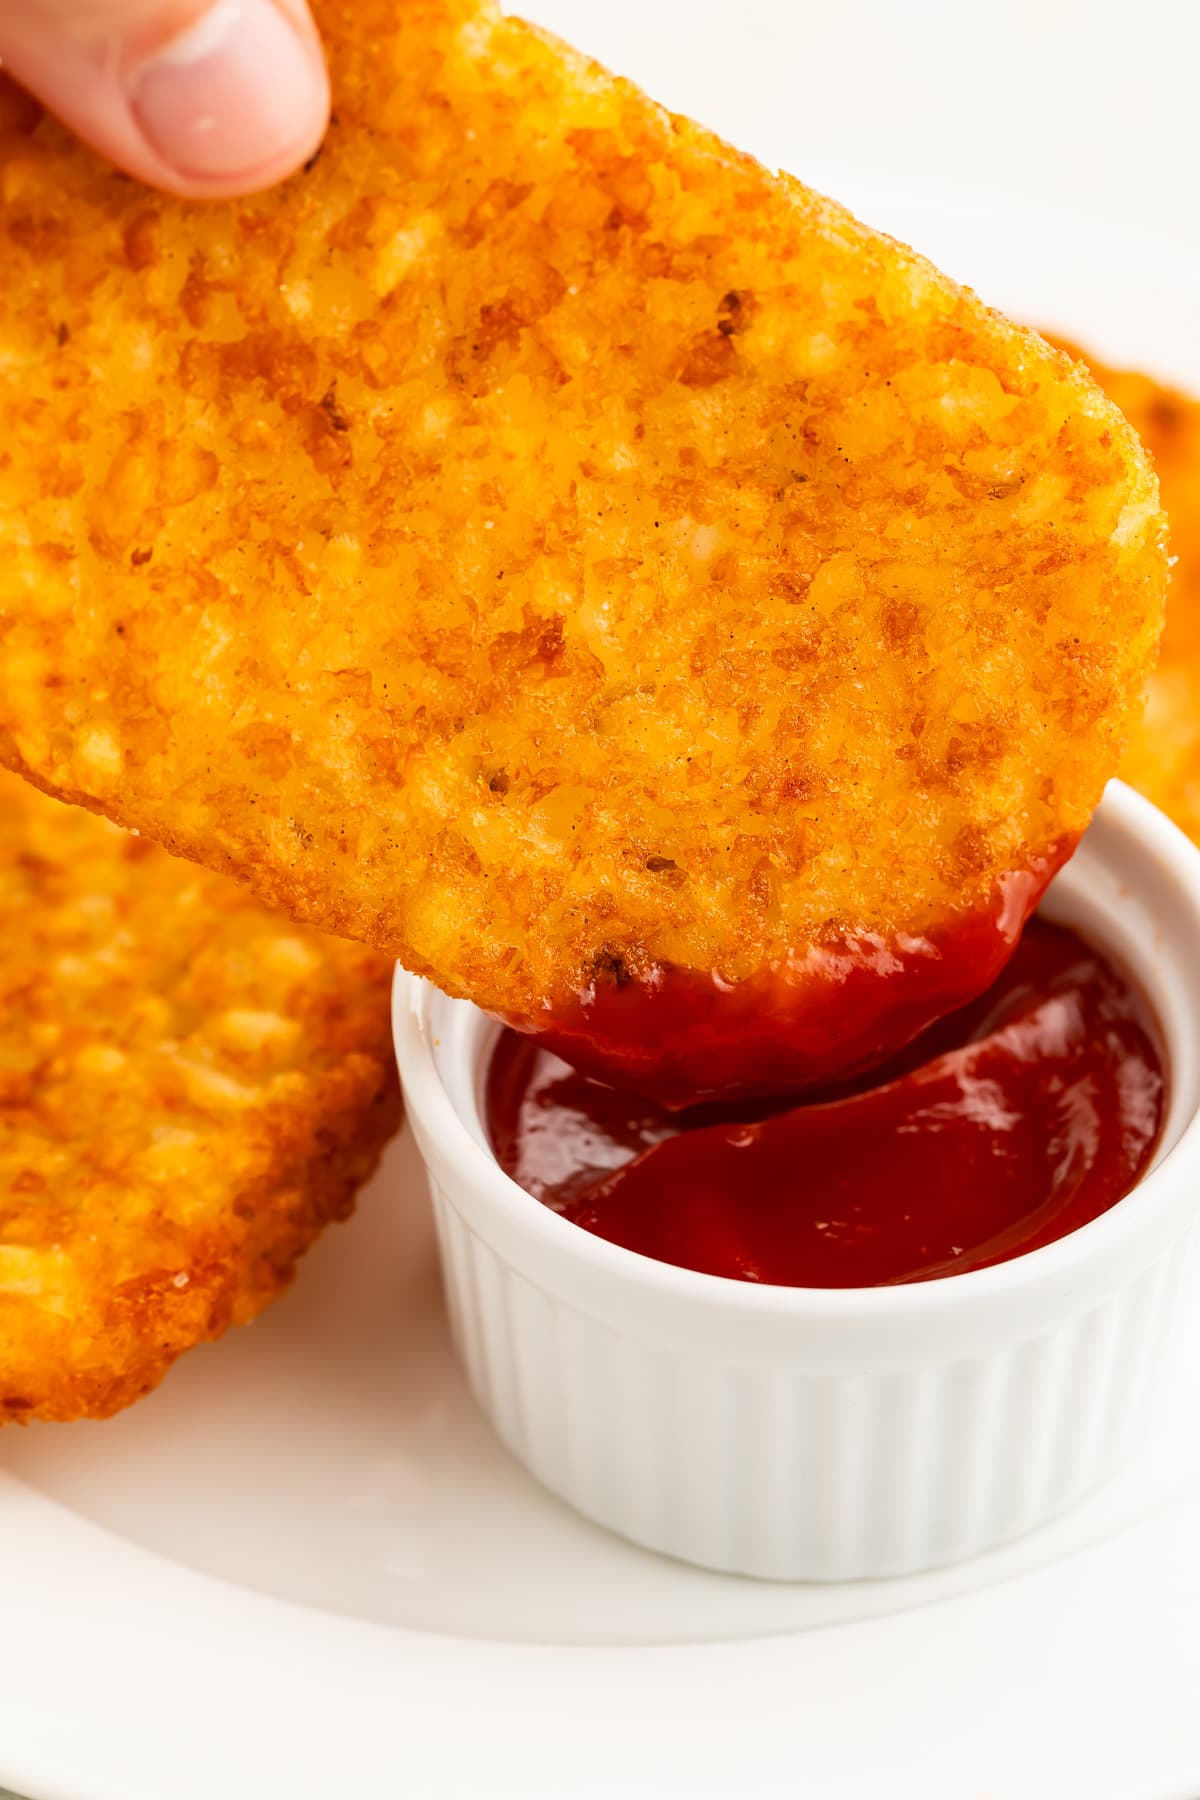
(828,1434)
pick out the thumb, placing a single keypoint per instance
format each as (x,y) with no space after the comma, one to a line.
(201,97)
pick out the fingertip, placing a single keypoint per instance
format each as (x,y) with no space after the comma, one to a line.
(206,103)
(239,100)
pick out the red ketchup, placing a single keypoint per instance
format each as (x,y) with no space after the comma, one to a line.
(1004,1126)
(843,1007)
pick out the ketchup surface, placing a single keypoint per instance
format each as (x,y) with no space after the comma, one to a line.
(1006,1125)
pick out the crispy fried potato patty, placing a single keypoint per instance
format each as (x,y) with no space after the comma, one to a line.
(190,1088)
(1163,759)
(539,541)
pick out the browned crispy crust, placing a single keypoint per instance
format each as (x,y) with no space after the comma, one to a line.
(1163,759)
(190,1089)
(538,536)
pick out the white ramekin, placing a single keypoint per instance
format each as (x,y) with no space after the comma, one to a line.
(827,1434)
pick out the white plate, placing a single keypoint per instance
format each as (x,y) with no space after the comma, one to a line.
(304,1567)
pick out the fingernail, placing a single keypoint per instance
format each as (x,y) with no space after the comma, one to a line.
(237,91)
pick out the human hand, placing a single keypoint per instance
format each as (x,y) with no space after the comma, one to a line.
(199,97)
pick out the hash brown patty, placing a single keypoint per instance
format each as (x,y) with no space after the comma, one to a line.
(538,540)
(190,1089)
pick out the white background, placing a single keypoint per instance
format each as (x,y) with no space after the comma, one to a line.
(1093,106)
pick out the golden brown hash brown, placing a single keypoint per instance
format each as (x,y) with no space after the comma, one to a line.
(190,1088)
(1163,759)
(537,538)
